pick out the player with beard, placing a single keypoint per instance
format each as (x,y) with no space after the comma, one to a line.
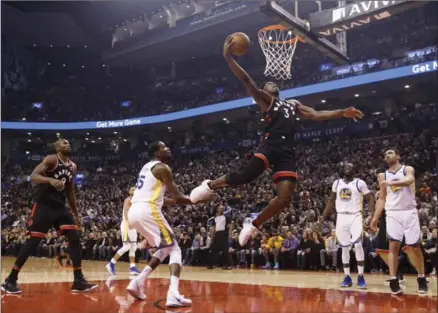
(348,194)
(54,184)
(397,197)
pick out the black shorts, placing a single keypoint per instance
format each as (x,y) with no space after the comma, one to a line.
(280,154)
(43,217)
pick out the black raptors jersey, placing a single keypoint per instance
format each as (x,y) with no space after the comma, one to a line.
(280,120)
(46,193)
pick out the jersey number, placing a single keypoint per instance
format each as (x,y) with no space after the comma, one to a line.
(140,182)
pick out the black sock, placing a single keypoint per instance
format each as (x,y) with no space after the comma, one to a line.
(29,246)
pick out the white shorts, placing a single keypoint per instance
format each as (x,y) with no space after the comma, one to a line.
(348,228)
(128,234)
(401,224)
(151,223)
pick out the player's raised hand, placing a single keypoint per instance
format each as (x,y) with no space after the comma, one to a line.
(353,113)
(227,46)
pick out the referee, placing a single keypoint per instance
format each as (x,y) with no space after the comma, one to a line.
(220,236)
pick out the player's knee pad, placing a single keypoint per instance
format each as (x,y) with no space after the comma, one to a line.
(175,255)
(250,172)
(123,249)
(358,249)
(72,235)
(346,255)
(132,249)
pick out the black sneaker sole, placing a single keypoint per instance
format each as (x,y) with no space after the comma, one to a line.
(11,292)
(85,290)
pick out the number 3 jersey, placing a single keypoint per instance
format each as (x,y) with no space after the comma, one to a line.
(149,189)
(46,193)
(399,198)
(280,119)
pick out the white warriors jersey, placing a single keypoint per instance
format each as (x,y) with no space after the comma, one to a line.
(399,198)
(349,196)
(148,188)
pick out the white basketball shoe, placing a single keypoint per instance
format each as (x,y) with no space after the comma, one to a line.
(135,290)
(174,300)
(246,232)
(201,192)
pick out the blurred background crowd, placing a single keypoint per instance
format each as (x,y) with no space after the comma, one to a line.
(72,83)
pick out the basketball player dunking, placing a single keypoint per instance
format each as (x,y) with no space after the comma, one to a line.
(129,237)
(146,217)
(54,180)
(348,193)
(397,196)
(277,148)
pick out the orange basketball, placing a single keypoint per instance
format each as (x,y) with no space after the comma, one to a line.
(241,44)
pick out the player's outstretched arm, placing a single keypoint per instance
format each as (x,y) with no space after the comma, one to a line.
(311,114)
(164,173)
(380,205)
(261,97)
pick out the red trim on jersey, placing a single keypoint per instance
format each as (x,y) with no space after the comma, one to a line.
(68,227)
(34,206)
(263,158)
(37,234)
(382,251)
(74,166)
(285,174)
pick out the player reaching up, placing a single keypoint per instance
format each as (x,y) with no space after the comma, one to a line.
(276,149)
(397,197)
(146,217)
(348,193)
(129,238)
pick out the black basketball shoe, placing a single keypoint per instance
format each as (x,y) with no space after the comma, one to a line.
(395,287)
(422,285)
(11,287)
(82,285)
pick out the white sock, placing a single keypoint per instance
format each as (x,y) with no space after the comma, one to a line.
(421,275)
(144,275)
(113,261)
(174,283)
(132,265)
(360,269)
(393,277)
(347,271)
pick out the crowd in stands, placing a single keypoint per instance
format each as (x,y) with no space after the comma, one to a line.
(296,238)
(70,92)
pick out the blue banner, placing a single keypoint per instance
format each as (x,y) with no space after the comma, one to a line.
(235,104)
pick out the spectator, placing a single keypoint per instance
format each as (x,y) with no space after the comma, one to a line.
(330,251)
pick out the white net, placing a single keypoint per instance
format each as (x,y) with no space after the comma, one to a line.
(278,45)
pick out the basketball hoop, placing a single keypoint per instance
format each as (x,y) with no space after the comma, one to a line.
(278,45)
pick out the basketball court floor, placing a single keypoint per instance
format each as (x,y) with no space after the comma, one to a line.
(46,289)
